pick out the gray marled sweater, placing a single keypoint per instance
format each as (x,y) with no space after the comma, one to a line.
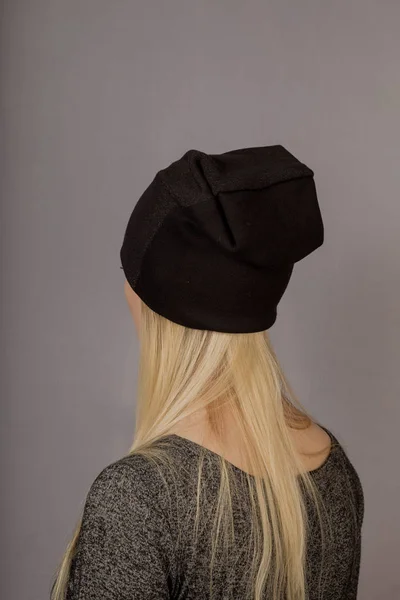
(128,547)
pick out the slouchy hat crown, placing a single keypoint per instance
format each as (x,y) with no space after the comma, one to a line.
(212,242)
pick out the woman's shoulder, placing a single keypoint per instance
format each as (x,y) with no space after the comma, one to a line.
(132,480)
(122,521)
(341,463)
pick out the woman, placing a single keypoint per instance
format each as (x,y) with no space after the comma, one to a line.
(230,490)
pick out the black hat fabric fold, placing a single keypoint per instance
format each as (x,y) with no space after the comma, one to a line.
(212,242)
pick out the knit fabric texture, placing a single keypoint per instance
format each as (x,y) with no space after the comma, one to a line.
(129,547)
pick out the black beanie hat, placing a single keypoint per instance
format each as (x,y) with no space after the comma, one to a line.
(212,242)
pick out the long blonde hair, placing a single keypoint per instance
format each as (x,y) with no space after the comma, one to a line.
(182,370)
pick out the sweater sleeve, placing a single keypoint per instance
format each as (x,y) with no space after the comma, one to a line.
(124,549)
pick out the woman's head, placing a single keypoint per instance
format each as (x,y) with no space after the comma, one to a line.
(211,245)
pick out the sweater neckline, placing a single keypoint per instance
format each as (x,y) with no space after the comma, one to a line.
(196,448)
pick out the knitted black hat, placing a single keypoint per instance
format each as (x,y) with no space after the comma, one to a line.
(212,242)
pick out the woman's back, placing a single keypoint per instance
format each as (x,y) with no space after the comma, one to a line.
(138,532)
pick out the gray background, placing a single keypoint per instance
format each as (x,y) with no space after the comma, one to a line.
(97,96)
